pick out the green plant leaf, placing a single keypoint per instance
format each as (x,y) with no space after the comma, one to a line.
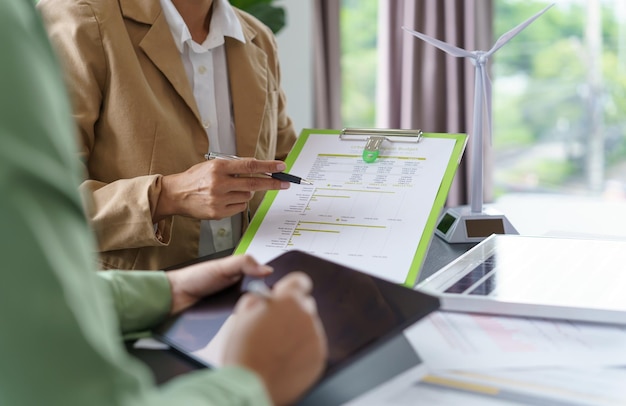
(272,16)
(246,4)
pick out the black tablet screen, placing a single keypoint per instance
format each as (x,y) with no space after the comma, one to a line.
(358,311)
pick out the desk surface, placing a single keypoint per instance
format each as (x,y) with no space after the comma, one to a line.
(168,364)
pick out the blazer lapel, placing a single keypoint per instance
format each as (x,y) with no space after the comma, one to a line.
(247,73)
(159,46)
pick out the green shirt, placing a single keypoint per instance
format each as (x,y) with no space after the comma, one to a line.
(61,321)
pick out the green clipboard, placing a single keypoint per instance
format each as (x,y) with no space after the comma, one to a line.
(421,249)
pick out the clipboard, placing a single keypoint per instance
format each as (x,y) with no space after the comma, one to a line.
(377,217)
(374,137)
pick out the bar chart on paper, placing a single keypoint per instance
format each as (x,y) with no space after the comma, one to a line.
(369,216)
(355,208)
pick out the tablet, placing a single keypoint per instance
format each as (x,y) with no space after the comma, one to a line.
(548,277)
(359,312)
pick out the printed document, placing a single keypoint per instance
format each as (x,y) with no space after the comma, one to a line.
(375,217)
(447,340)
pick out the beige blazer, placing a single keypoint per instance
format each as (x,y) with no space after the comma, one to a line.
(137,118)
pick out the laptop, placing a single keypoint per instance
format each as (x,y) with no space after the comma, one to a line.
(363,317)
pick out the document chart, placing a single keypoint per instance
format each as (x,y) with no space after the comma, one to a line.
(368,216)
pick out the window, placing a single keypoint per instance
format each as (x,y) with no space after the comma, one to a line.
(559,93)
(560,99)
(358,25)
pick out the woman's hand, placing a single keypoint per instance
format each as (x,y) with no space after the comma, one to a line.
(194,282)
(216,189)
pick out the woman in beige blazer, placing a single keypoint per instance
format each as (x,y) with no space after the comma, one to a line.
(142,136)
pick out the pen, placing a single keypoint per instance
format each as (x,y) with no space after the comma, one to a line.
(286,177)
(259,288)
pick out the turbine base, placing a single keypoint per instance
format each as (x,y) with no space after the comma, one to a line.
(461,225)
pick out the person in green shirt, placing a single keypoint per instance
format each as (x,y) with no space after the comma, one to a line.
(62,321)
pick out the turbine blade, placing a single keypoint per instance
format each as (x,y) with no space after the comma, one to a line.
(447,48)
(487,99)
(507,36)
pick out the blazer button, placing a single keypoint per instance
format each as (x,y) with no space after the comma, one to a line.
(221,232)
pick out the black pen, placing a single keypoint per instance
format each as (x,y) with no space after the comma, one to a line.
(286,177)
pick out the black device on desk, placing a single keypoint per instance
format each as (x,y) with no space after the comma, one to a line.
(363,317)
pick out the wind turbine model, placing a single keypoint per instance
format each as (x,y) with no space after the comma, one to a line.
(474,223)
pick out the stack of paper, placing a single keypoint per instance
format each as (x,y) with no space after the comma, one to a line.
(479,359)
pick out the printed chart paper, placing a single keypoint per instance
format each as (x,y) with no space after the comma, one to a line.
(375,217)
(501,387)
(447,340)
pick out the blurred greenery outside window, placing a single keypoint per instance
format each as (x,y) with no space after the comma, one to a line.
(358,21)
(559,93)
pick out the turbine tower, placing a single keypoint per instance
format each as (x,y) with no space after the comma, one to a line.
(475,223)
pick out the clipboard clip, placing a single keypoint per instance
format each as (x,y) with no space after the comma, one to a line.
(372,148)
(374,137)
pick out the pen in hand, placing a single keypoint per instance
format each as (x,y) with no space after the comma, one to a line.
(259,288)
(286,177)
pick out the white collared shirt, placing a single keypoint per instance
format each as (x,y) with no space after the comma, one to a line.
(206,68)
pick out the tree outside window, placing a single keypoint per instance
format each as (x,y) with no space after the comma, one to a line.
(559,101)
